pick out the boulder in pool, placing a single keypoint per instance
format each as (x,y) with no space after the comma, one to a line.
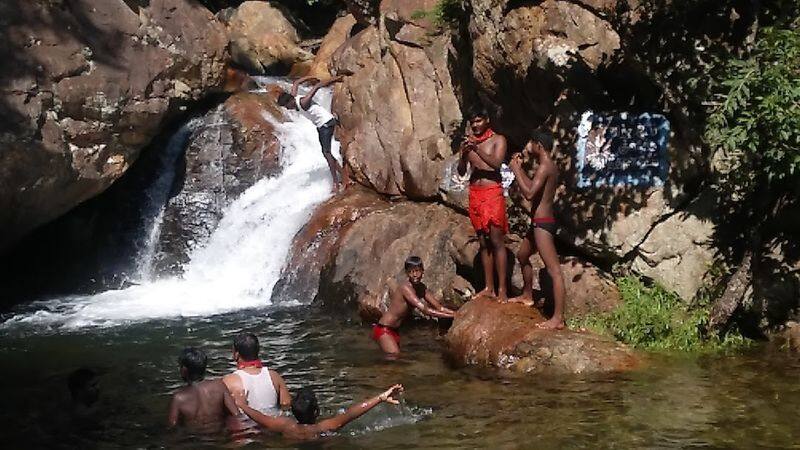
(504,336)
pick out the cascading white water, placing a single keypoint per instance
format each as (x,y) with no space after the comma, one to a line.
(239,265)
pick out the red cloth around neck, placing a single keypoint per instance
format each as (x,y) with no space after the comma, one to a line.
(483,136)
(246,364)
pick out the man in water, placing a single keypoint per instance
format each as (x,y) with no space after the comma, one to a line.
(540,191)
(411,293)
(305,409)
(319,116)
(484,150)
(202,401)
(264,389)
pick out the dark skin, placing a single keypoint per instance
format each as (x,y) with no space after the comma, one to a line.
(540,191)
(488,155)
(411,294)
(200,402)
(291,429)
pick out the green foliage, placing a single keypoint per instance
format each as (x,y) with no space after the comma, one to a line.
(653,318)
(755,117)
(445,13)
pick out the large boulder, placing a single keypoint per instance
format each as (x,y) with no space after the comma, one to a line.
(263,40)
(504,336)
(336,36)
(398,109)
(86,85)
(229,149)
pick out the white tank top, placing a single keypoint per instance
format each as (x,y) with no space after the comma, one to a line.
(260,392)
(315,113)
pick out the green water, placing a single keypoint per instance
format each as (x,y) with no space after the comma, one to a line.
(745,401)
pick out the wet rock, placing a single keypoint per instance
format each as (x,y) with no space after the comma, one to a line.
(86,85)
(398,110)
(263,40)
(488,334)
(232,148)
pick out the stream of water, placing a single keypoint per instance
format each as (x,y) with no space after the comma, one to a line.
(131,338)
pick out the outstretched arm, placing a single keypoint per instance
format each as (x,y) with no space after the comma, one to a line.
(433,301)
(357,410)
(305,102)
(275,424)
(411,297)
(300,81)
(495,154)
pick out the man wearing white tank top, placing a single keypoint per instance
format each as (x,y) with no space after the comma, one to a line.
(319,116)
(264,389)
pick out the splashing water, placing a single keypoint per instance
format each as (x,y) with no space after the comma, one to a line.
(239,265)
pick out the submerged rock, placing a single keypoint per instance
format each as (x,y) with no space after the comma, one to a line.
(86,85)
(488,334)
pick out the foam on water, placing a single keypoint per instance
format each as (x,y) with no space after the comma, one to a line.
(236,269)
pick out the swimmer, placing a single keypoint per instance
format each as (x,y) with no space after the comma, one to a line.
(202,401)
(411,293)
(305,409)
(264,389)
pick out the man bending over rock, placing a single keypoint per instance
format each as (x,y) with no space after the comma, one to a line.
(484,150)
(541,191)
(411,293)
(304,426)
(202,401)
(319,116)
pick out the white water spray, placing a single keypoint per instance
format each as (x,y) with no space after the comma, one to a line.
(239,265)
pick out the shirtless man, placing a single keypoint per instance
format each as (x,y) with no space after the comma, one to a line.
(321,117)
(263,389)
(306,411)
(484,150)
(412,293)
(202,401)
(540,191)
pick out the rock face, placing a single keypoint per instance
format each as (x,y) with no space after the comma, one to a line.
(398,110)
(262,40)
(336,36)
(231,148)
(486,333)
(87,84)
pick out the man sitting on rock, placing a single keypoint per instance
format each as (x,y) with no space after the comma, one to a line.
(306,411)
(411,293)
(264,389)
(485,151)
(541,191)
(319,116)
(202,401)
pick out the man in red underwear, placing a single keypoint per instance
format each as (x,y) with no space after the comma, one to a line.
(414,293)
(484,150)
(541,191)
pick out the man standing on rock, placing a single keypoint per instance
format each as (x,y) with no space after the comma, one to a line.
(319,116)
(484,150)
(540,191)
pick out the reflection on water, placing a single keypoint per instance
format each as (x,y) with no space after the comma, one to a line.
(711,402)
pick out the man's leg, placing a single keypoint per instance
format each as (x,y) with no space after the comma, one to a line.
(500,262)
(524,258)
(545,244)
(325,137)
(388,344)
(488,266)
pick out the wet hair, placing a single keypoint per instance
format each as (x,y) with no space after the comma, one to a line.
(246,344)
(305,407)
(285,99)
(477,111)
(194,360)
(80,380)
(413,262)
(545,139)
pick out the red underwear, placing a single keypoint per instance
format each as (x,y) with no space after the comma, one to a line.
(487,206)
(545,223)
(379,330)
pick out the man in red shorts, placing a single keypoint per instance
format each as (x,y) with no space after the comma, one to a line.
(484,150)
(414,293)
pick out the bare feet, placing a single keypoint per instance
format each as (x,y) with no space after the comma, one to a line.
(555,323)
(502,297)
(524,299)
(486,293)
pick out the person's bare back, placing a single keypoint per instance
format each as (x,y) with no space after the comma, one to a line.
(202,402)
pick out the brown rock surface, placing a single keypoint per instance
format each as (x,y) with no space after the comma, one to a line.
(336,36)
(486,333)
(364,11)
(262,40)
(85,86)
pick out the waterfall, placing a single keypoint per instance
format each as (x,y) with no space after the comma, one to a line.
(238,266)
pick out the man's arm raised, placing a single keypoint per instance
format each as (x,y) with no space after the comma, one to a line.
(300,81)
(305,102)
(357,410)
